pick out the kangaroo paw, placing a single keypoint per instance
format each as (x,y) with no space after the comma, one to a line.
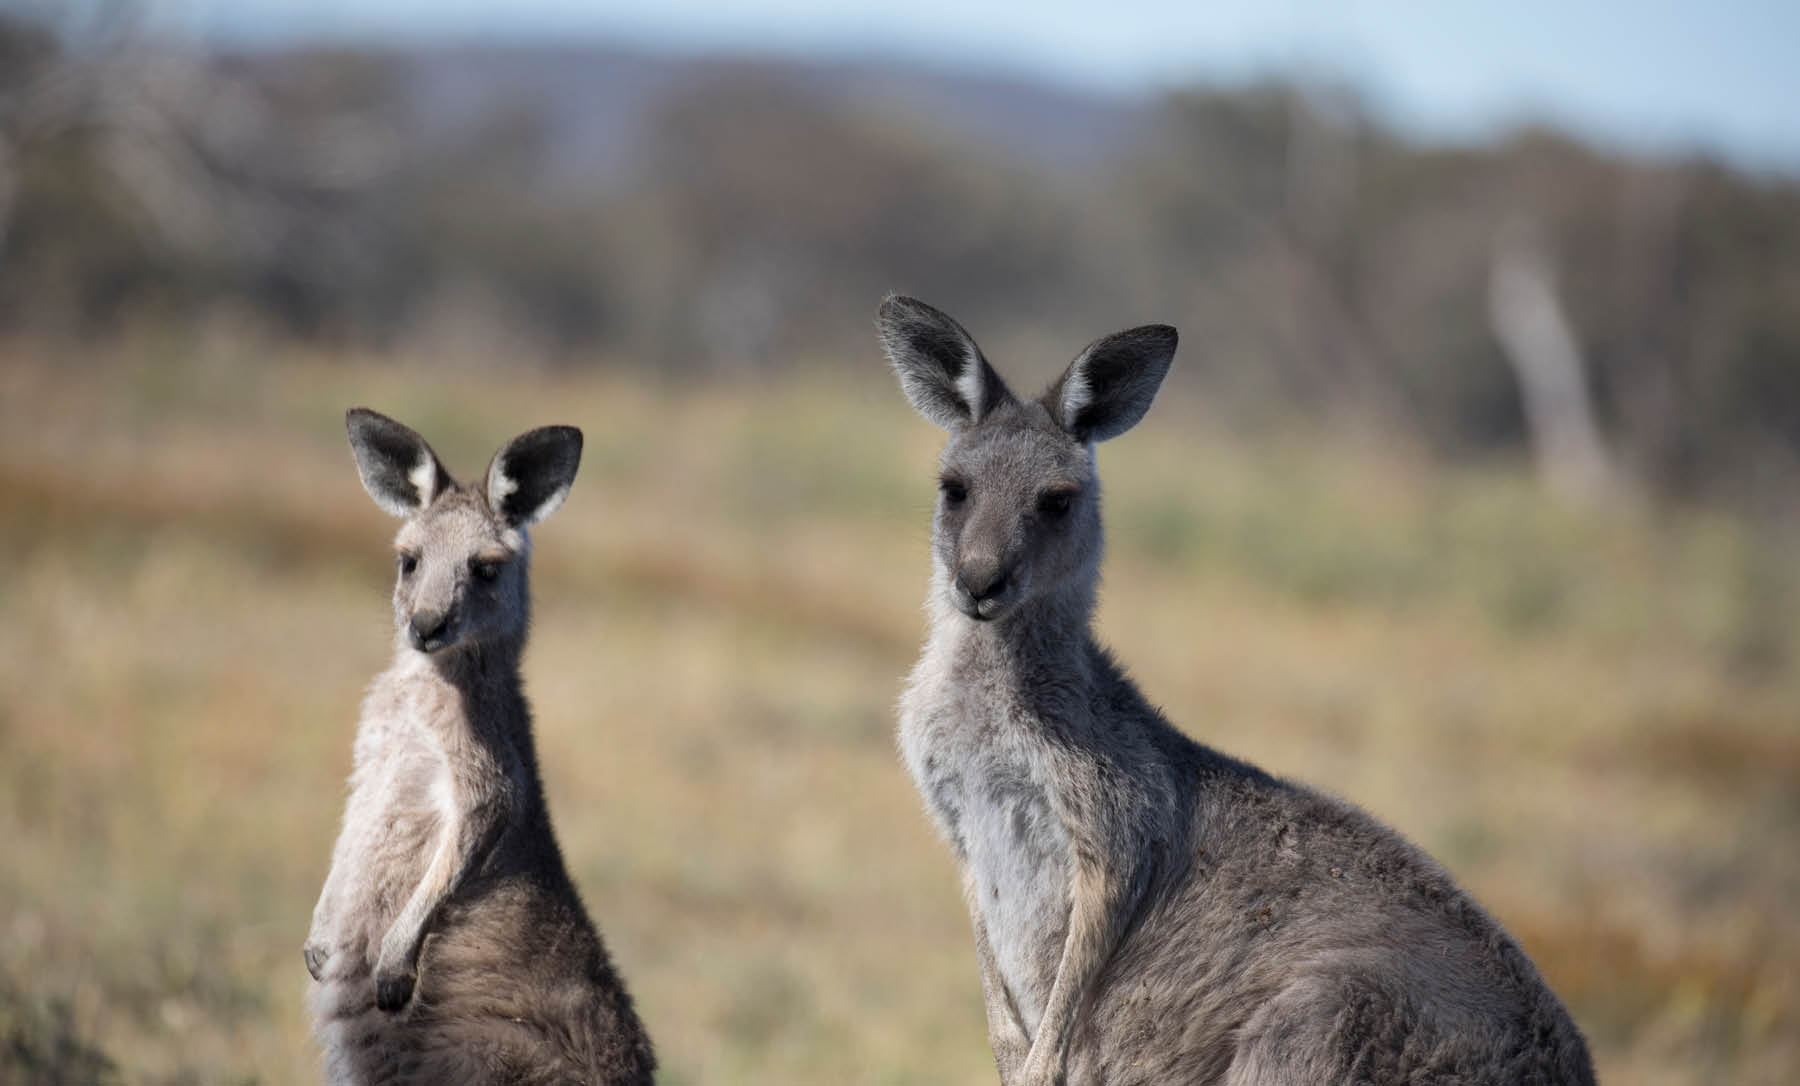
(316,956)
(393,990)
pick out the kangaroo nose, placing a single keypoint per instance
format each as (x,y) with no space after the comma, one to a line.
(426,627)
(982,580)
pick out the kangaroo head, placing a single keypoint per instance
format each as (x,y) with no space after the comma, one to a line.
(1018,512)
(462,553)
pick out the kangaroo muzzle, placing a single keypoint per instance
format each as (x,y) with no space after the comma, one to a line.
(986,587)
(429,631)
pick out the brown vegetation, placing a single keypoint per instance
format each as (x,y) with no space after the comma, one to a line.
(1601,720)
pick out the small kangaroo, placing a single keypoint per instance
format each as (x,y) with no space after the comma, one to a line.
(1147,910)
(449,944)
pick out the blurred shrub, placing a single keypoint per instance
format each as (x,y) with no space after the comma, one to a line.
(39,1044)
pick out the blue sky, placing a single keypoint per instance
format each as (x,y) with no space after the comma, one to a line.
(1650,74)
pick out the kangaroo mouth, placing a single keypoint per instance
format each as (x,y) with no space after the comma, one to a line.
(431,645)
(983,610)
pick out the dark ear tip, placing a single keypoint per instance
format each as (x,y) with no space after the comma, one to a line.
(557,443)
(572,435)
(360,419)
(1162,335)
(568,435)
(900,307)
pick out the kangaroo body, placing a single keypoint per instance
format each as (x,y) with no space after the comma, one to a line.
(449,943)
(1148,910)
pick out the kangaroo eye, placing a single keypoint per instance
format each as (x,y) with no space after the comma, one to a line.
(408,563)
(485,571)
(954,492)
(1055,503)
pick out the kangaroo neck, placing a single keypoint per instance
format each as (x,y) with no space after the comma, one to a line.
(1045,640)
(482,681)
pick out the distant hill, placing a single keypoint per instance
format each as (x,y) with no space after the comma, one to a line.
(598,99)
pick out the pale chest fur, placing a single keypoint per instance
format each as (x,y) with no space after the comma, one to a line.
(402,795)
(975,754)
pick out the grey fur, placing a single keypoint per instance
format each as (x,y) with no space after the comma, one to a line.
(449,944)
(1147,910)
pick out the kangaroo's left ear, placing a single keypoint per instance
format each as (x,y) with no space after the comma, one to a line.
(1111,384)
(530,478)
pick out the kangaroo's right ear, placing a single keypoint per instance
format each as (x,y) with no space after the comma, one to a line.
(940,368)
(398,469)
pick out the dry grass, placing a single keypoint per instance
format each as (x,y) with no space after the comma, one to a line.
(1594,720)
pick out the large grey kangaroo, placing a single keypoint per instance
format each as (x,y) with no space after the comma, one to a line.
(449,945)
(1147,910)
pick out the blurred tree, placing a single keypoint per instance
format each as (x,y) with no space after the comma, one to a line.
(148,177)
(1553,380)
(1322,268)
(785,214)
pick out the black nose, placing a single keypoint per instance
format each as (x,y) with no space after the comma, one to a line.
(427,627)
(982,580)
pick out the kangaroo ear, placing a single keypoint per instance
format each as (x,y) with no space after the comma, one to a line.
(398,469)
(1111,384)
(531,477)
(940,368)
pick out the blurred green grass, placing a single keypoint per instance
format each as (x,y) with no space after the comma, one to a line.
(1592,718)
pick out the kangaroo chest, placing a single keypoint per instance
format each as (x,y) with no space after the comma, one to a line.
(405,793)
(978,760)
(402,801)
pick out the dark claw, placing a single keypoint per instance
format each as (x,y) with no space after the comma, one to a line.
(315,960)
(392,993)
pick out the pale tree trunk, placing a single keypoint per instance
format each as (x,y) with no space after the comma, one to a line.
(1537,341)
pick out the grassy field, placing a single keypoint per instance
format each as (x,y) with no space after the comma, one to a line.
(1592,719)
